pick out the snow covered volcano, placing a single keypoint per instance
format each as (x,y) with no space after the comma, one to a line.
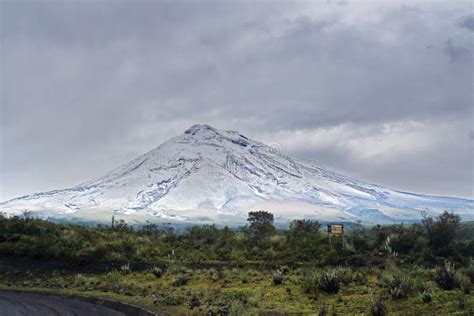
(208,175)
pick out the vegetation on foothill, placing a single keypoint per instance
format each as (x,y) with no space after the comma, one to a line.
(424,268)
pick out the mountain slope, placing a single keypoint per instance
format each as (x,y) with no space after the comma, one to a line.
(208,175)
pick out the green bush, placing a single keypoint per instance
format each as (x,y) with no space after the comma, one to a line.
(256,298)
(328,282)
(344,275)
(462,281)
(461,302)
(309,282)
(157,271)
(303,242)
(277,277)
(170,300)
(244,277)
(114,277)
(426,296)
(445,276)
(442,233)
(360,278)
(240,294)
(194,302)
(214,275)
(397,284)
(180,280)
(284,269)
(125,269)
(424,291)
(178,268)
(378,308)
(323,310)
(470,270)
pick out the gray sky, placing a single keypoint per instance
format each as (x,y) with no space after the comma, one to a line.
(377,90)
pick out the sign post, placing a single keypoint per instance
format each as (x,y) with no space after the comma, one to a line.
(336,229)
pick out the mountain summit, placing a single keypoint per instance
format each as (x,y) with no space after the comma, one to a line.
(208,175)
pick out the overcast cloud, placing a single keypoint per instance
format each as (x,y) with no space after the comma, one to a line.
(377,90)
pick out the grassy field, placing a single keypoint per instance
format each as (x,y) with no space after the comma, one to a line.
(238,291)
(423,268)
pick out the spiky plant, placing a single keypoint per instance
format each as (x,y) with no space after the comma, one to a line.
(328,282)
(445,276)
(277,277)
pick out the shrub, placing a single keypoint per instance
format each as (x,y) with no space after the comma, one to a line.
(423,290)
(79,279)
(236,308)
(113,277)
(256,298)
(157,271)
(442,233)
(309,282)
(171,300)
(223,274)
(426,296)
(388,248)
(344,275)
(323,311)
(239,294)
(463,282)
(378,308)
(397,284)
(244,277)
(277,277)
(360,278)
(125,269)
(328,282)
(470,271)
(194,302)
(461,302)
(213,275)
(284,269)
(179,269)
(180,280)
(445,276)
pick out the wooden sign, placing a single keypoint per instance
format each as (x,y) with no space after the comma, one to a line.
(336,229)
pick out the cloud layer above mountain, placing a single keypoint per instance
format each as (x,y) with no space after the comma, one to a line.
(379,90)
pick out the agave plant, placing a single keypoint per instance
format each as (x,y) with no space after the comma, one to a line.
(157,271)
(388,248)
(328,282)
(378,308)
(125,269)
(445,276)
(277,277)
(398,284)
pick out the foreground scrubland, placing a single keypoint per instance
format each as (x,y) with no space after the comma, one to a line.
(424,268)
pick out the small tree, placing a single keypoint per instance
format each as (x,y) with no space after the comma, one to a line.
(304,229)
(261,224)
(150,229)
(442,233)
(303,239)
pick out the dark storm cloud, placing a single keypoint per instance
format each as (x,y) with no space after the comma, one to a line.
(88,85)
(467,22)
(456,53)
